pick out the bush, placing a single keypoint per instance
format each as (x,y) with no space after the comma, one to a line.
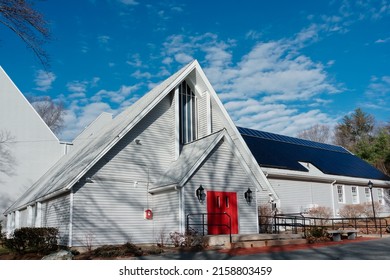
(188,239)
(322,212)
(317,234)
(37,240)
(109,251)
(350,211)
(265,218)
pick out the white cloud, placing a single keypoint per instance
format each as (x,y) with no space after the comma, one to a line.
(78,117)
(103,39)
(183,58)
(117,96)
(378,93)
(272,87)
(129,2)
(44,80)
(141,75)
(382,41)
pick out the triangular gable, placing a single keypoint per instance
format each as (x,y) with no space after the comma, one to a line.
(193,156)
(16,111)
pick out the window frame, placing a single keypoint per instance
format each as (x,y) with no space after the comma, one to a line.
(342,193)
(355,195)
(367,194)
(188,113)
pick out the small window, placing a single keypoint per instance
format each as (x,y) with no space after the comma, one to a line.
(355,195)
(367,194)
(340,194)
(227,201)
(380,196)
(218,202)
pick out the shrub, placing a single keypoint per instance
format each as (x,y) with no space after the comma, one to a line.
(350,211)
(188,239)
(322,212)
(367,212)
(265,218)
(317,234)
(37,240)
(109,251)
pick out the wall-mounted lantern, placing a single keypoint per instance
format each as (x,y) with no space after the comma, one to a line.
(200,193)
(248,195)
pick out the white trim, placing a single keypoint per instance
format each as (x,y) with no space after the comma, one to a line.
(29,216)
(70,240)
(208,112)
(380,196)
(342,188)
(177,123)
(38,214)
(182,217)
(333,199)
(367,197)
(17,219)
(357,195)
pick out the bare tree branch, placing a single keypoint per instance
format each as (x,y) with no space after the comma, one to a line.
(52,113)
(27,23)
(7,160)
(317,133)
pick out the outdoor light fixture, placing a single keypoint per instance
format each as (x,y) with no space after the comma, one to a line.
(370,185)
(248,195)
(200,193)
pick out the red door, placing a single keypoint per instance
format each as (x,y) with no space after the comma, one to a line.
(222,207)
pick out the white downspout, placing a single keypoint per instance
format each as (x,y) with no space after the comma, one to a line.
(332,193)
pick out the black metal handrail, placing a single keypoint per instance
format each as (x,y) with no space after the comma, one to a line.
(294,222)
(204,224)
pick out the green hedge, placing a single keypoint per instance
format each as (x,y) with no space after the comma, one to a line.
(37,240)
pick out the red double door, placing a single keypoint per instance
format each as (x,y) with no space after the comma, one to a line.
(222,207)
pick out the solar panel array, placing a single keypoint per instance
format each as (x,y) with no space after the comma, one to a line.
(292,140)
(283,152)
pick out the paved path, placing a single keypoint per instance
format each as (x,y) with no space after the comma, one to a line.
(374,249)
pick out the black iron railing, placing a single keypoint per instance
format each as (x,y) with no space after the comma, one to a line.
(194,224)
(296,223)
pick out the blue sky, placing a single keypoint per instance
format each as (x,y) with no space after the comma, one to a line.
(278,66)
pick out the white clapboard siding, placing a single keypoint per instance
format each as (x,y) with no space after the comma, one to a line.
(107,212)
(112,207)
(203,115)
(296,196)
(222,172)
(217,118)
(56,213)
(166,215)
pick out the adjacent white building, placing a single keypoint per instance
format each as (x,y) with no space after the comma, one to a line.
(32,146)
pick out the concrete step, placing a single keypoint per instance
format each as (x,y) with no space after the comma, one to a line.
(253,240)
(265,243)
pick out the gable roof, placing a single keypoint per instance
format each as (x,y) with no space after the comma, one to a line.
(284,152)
(191,156)
(71,167)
